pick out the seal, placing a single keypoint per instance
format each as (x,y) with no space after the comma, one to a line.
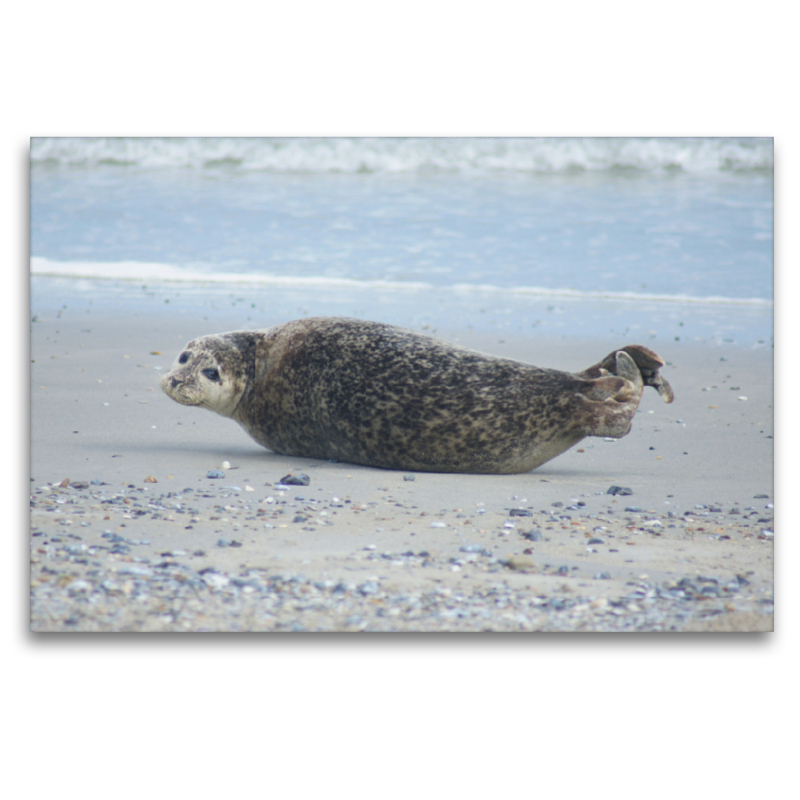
(382,396)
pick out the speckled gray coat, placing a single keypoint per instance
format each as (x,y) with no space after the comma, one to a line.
(379,395)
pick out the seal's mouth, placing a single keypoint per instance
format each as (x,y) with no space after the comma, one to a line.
(179,391)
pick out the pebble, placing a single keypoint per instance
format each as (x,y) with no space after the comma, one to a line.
(300,479)
(633,509)
(215,580)
(143,571)
(520,563)
(475,548)
(409,477)
(621,490)
(534,535)
(215,473)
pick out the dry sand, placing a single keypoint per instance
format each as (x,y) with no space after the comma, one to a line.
(374,559)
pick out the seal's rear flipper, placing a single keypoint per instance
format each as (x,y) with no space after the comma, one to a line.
(646,360)
(649,363)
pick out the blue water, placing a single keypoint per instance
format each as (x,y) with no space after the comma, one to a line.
(460,228)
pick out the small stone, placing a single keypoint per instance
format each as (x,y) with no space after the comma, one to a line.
(139,571)
(475,548)
(214,580)
(602,576)
(534,535)
(595,540)
(409,477)
(215,473)
(520,563)
(760,497)
(621,490)
(520,512)
(438,524)
(300,479)
(707,579)
(633,509)
(369,587)
(150,479)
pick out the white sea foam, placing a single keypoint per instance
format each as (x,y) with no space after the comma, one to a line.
(150,272)
(397,155)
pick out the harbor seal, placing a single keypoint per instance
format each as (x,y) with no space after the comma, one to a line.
(382,396)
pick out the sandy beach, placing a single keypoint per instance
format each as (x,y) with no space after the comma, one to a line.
(130,534)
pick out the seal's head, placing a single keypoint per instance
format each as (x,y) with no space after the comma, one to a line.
(212,372)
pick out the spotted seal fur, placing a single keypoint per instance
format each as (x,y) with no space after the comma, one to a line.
(382,396)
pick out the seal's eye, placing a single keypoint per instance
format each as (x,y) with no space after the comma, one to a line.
(184,358)
(212,374)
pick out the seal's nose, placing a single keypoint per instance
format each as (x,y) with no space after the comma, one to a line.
(176,383)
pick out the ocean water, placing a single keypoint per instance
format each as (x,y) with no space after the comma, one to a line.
(668,238)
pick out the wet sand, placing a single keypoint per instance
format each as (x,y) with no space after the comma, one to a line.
(367,549)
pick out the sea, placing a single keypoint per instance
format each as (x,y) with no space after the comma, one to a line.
(652,239)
